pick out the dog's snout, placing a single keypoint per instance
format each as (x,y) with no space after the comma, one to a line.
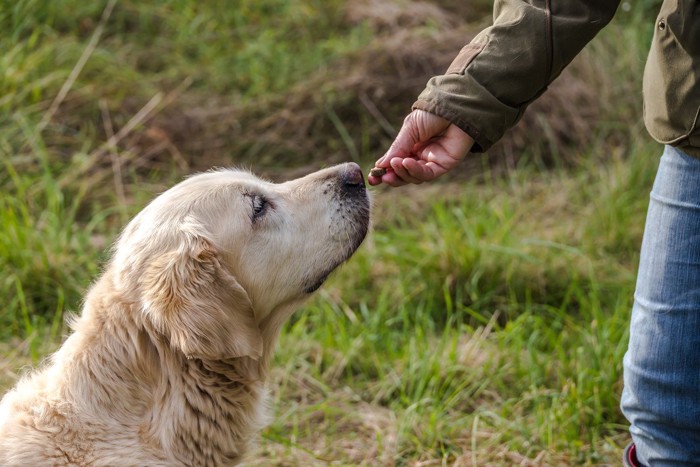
(351,177)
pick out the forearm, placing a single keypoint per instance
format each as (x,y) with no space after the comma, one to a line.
(508,65)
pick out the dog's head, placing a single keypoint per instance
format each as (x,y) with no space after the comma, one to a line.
(216,255)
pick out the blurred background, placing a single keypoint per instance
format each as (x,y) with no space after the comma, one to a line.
(484,320)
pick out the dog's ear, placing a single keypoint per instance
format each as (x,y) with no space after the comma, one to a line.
(192,299)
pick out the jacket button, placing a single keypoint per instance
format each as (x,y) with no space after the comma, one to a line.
(662,24)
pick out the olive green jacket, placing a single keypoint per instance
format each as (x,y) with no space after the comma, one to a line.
(494,78)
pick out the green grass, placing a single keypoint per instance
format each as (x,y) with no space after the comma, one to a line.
(483,322)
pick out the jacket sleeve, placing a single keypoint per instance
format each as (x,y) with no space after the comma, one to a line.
(508,65)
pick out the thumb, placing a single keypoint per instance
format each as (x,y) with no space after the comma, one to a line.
(403,145)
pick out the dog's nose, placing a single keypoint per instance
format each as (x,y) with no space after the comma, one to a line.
(351,177)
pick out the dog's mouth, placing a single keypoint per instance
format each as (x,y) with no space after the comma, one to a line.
(350,222)
(351,245)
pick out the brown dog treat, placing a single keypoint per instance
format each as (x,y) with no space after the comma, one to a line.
(377,172)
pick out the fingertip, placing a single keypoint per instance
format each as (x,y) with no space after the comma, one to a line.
(386,161)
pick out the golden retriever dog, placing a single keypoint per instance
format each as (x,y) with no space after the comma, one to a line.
(166,363)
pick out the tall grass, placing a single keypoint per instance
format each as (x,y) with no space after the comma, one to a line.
(483,322)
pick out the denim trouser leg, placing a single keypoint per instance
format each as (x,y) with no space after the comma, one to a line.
(661,397)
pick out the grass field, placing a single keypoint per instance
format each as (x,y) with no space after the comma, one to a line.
(484,320)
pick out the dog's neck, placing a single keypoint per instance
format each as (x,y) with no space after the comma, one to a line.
(271,326)
(201,412)
(205,413)
(222,403)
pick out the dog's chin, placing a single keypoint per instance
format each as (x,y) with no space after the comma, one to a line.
(313,283)
(316,284)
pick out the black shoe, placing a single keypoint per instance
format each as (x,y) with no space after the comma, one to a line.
(629,456)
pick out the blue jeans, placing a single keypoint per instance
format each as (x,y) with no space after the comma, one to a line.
(661,396)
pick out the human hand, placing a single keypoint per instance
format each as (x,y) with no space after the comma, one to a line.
(426,147)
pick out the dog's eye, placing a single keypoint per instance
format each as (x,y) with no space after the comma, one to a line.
(259,206)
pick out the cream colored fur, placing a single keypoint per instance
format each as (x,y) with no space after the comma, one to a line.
(166,363)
